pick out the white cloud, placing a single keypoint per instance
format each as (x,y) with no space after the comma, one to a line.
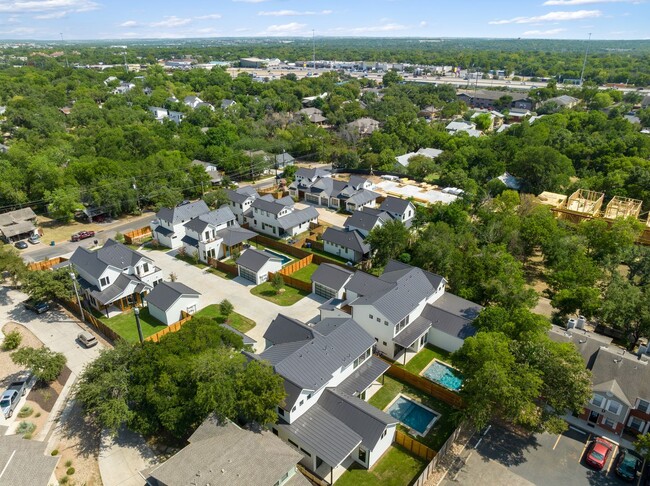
(544,32)
(292,13)
(129,23)
(35,6)
(292,28)
(208,17)
(390,27)
(423,24)
(52,15)
(19,31)
(250,1)
(551,17)
(171,21)
(585,2)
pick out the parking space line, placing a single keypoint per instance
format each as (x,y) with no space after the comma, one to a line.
(611,460)
(638,483)
(557,441)
(584,448)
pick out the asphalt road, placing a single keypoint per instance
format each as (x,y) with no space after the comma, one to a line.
(44,251)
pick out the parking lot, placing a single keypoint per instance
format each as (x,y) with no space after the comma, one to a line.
(500,457)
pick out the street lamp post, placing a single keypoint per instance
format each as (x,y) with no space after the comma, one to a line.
(136,311)
(74,284)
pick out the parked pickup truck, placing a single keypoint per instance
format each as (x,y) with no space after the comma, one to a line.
(82,235)
(11,397)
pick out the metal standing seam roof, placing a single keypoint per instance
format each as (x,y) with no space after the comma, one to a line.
(254,260)
(284,329)
(452,315)
(190,241)
(246,339)
(395,205)
(272,207)
(366,219)
(235,235)
(363,196)
(364,376)
(215,218)
(412,332)
(224,454)
(165,294)
(347,239)
(363,283)
(163,231)
(297,217)
(331,276)
(122,286)
(357,181)
(111,254)
(312,173)
(181,214)
(23,462)
(239,197)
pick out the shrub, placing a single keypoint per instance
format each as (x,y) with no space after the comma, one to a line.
(277,282)
(55,452)
(226,307)
(64,480)
(25,428)
(45,364)
(12,340)
(70,471)
(68,463)
(38,414)
(25,412)
(119,237)
(27,436)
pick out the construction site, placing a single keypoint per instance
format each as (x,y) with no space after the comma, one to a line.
(584,204)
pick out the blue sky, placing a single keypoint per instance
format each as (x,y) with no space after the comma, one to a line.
(122,19)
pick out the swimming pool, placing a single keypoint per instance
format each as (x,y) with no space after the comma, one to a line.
(415,416)
(285,259)
(444,375)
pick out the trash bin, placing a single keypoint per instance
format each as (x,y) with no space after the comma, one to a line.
(52,243)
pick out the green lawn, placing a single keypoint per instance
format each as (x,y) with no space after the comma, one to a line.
(289,297)
(442,429)
(124,325)
(305,273)
(239,322)
(424,357)
(397,467)
(335,258)
(222,274)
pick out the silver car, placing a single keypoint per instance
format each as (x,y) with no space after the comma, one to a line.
(87,339)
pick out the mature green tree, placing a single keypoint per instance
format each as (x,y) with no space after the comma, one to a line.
(43,363)
(483,121)
(64,202)
(420,166)
(579,300)
(46,285)
(388,241)
(390,78)
(259,390)
(611,244)
(642,446)
(216,198)
(627,308)
(542,169)
(11,264)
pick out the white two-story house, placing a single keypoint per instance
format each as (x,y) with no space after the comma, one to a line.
(329,371)
(280,218)
(114,277)
(240,202)
(402,309)
(325,191)
(169,226)
(399,209)
(214,234)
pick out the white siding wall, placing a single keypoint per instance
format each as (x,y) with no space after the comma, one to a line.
(111,272)
(153,277)
(329,247)
(444,340)
(173,314)
(158,314)
(378,330)
(300,228)
(382,446)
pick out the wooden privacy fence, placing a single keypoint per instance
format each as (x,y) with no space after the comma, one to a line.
(137,235)
(315,244)
(414,446)
(294,252)
(171,328)
(311,476)
(46,264)
(224,267)
(428,470)
(295,266)
(91,320)
(293,282)
(428,387)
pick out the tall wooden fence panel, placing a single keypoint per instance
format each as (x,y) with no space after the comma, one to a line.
(293,251)
(224,267)
(428,387)
(171,328)
(295,266)
(137,235)
(92,321)
(46,264)
(414,446)
(293,282)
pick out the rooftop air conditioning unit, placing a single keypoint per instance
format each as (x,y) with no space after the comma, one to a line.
(571,323)
(580,323)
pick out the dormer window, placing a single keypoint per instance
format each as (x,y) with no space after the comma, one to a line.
(104,281)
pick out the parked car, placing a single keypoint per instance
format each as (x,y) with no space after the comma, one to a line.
(628,465)
(82,235)
(598,452)
(11,397)
(87,339)
(34,239)
(21,245)
(36,306)
(184,202)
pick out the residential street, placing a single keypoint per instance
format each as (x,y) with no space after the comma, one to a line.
(214,289)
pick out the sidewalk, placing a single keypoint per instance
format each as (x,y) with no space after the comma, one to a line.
(583,426)
(122,458)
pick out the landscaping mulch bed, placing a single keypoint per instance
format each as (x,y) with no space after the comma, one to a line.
(45,394)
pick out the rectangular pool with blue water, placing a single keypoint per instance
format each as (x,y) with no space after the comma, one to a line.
(412,414)
(285,259)
(444,375)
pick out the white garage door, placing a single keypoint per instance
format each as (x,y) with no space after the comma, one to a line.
(324,291)
(248,274)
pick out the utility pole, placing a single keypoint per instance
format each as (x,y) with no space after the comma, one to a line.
(66,55)
(584,63)
(313,48)
(136,312)
(74,284)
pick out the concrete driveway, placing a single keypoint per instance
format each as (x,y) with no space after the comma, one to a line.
(214,289)
(328,215)
(122,458)
(54,328)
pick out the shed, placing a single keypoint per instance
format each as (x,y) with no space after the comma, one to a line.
(167,300)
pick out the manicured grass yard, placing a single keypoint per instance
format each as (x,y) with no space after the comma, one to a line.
(124,325)
(305,273)
(239,322)
(289,297)
(442,429)
(424,357)
(396,468)
(326,255)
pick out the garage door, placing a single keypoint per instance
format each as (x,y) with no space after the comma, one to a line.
(324,291)
(312,198)
(248,274)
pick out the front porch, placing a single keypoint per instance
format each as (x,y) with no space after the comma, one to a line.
(332,474)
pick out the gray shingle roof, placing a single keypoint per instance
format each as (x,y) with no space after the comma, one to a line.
(587,343)
(111,254)
(347,239)
(283,159)
(363,196)
(321,431)
(180,214)
(11,217)
(227,455)
(331,276)
(254,260)
(297,217)
(23,462)
(453,315)
(493,95)
(234,235)
(367,218)
(394,205)
(632,374)
(284,329)
(216,218)
(165,294)
(272,207)
(364,376)
(312,365)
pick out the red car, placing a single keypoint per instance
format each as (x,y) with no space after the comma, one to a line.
(598,453)
(82,235)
